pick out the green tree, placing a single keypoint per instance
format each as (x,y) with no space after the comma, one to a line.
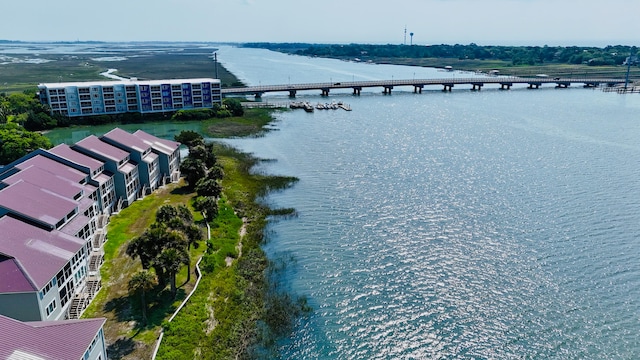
(204,153)
(207,205)
(215,172)
(193,170)
(16,142)
(234,106)
(141,283)
(189,138)
(171,260)
(208,187)
(180,219)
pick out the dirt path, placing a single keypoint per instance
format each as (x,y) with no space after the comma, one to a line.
(242,232)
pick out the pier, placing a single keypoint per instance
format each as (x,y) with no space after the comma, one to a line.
(447,84)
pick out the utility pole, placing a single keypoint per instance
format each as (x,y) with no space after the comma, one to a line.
(626,78)
(215,61)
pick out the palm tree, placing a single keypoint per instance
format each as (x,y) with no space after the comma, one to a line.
(171,260)
(142,282)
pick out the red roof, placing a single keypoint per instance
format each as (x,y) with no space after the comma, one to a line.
(68,153)
(38,253)
(127,139)
(37,203)
(164,146)
(51,340)
(13,279)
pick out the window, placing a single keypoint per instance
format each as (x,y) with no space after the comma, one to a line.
(47,287)
(51,307)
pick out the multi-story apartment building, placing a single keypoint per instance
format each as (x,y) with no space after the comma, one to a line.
(117,162)
(115,97)
(169,153)
(141,153)
(98,177)
(71,339)
(41,270)
(54,207)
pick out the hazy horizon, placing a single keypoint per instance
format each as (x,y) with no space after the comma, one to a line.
(488,22)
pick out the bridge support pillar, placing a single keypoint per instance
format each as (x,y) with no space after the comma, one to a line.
(357,90)
(324,92)
(477,86)
(505,86)
(447,87)
(534,85)
(292,93)
(258,95)
(387,90)
(563,85)
(417,89)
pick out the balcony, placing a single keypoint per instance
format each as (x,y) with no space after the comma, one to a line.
(95,262)
(78,304)
(103,220)
(99,238)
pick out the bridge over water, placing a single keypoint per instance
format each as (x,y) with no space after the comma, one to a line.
(475,83)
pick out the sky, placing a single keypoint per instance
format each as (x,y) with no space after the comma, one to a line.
(484,22)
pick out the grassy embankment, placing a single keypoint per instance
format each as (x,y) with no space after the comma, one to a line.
(221,319)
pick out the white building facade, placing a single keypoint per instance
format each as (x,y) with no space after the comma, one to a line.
(74,99)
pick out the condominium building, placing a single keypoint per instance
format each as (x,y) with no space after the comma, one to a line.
(98,177)
(117,162)
(169,153)
(115,97)
(141,153)
(52,340)
(54,207)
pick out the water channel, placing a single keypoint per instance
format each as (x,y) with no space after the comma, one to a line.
(489,224)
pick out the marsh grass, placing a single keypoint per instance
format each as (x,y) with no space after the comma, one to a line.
(149,63)
(236,312)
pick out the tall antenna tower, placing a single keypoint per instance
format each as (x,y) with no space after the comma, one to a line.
(405,34)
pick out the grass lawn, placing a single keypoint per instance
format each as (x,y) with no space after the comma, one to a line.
(122,331)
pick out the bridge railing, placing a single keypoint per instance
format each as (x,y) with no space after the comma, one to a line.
(419,82)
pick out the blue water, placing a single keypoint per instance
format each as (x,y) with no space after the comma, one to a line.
(487,225)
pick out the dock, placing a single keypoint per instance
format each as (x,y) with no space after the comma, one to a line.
(308,107)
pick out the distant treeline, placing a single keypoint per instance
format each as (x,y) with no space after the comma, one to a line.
(517,55)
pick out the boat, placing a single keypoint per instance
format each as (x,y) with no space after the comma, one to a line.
(307,107)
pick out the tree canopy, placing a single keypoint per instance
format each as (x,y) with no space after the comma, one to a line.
(517,55)
(16,142)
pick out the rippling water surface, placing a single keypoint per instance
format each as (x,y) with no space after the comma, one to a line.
(488,225)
